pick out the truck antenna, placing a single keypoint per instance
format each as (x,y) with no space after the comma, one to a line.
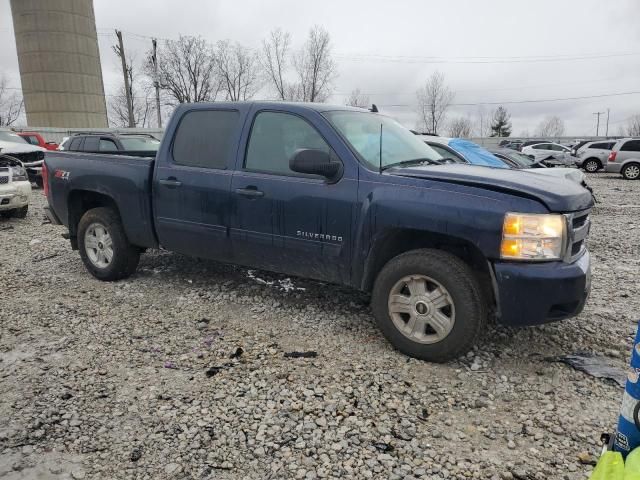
(381,148)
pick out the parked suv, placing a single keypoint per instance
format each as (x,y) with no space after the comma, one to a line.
(135,144)
(625,158)
(592,156)
(36,139)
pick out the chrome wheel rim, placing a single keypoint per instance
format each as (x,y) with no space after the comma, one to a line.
(591,166)
(632,171)
(98,245)
(421,309)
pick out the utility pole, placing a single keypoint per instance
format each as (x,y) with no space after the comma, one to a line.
(156,83)
(598,124)
(607,134)
(127,87)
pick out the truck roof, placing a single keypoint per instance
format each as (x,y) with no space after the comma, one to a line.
(319,107)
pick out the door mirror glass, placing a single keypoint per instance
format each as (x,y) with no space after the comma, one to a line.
(314,162)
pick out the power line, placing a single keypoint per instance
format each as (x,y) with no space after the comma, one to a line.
(511,102)
(474,60)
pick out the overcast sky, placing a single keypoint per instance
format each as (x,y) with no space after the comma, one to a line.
(484,48)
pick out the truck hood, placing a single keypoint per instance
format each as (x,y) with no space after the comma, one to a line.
(572,174)
(12,147)
(558,194)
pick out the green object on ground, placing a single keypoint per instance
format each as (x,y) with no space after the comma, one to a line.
(632,465)
(609,467)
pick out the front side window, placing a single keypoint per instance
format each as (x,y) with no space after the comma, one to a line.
(631,146)
(378,140)
(75,144)
(33,140)
(275,137)
(599,146)
(557,148)
(205,138)
(107,145)
(91,144)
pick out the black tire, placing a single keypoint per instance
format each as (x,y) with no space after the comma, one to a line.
(463,287)
(6,213)
(591,165)
(631,171)
(125,256)
(21,212)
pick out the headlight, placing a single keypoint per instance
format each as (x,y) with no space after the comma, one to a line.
(19,173)
(533,236)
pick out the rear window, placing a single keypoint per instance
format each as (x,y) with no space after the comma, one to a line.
(32,139)
(205,138)
(631,146)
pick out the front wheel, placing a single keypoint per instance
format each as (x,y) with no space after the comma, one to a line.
(429,305)
(631,171)
(104,247)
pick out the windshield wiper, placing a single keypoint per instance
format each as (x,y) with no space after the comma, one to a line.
(412,162)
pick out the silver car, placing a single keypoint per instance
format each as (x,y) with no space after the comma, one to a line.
(593,156)
(625,158)
(552,154)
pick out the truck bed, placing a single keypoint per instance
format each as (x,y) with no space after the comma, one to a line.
(126,179)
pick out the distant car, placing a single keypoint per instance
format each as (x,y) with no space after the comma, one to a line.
(31,156)
(463,151)
(514,145)
(36,139)
(625,158)
(592,156)
(575,148)
(552,154)
(531,142)
(15,188)
(136,144)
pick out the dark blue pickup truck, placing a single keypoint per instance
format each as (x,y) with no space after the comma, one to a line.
(341,195)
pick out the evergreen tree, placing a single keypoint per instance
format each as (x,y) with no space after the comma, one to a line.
(501,123)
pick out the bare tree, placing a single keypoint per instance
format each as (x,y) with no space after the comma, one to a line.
(11,104)
(275,59)
(550,127)
(143,103)
(525,133)
(434,99)
(460,127)
(187,70)
(357,99)
(315,69)
(633,126)
(238,70)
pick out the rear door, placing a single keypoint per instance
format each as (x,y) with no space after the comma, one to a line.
(285,221)
(629,149)
(192,180)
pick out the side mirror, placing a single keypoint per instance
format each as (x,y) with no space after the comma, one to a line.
(315,162)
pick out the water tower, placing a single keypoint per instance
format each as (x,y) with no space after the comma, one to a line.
(59,63)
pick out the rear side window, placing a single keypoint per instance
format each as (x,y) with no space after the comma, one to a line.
(600,146)
(631,146)
(205,138)
(543,146)
(90,144)
(31,139)
(75,144)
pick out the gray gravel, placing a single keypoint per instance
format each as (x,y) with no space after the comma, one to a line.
(180,372)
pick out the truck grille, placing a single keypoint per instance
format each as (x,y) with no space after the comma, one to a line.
(4,179)
(579,225)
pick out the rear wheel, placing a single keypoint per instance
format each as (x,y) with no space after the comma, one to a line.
(592,165)
(104,247)
(631,171)
(429,305)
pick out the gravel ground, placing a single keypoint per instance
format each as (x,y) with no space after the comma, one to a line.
(180,372)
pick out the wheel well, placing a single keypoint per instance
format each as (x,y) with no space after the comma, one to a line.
(80,202)
(594,158)
(394,242)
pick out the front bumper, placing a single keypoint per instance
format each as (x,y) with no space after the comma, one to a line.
(15,195)
(613,167)
(535,293)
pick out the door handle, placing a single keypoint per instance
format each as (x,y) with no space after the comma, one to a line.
(251,192)
(170,182)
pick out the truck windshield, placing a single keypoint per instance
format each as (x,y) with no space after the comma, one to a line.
(371,135)
(140,143)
